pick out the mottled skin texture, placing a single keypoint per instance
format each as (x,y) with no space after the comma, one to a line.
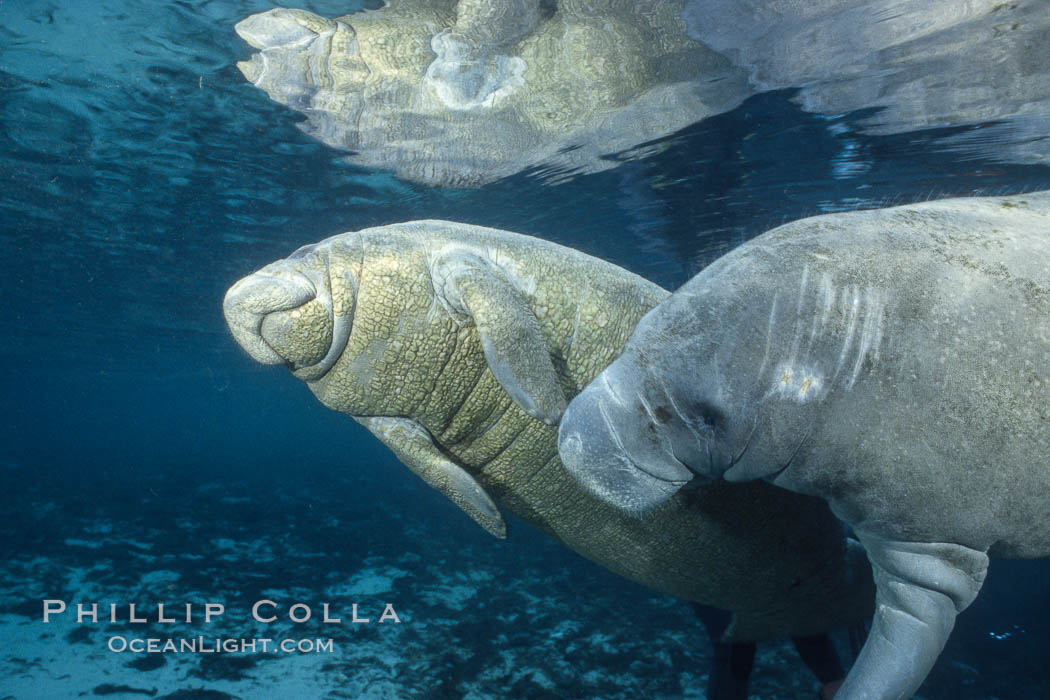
(464,93)
(416,371)
(894,362)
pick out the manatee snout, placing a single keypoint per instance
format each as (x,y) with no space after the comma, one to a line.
(301,56)
(280,315)
(257,311)
(598,446)
(282,27)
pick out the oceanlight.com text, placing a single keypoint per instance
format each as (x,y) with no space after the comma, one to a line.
(217,645)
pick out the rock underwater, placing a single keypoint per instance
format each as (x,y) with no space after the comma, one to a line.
(464,93)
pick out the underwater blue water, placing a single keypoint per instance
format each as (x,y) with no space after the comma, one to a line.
(140,175)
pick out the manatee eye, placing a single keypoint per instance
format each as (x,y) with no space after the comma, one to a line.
(661,414)
(707,413)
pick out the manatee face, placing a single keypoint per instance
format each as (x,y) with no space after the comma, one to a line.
(676,405)
(634,437)
(294,44)
(618,449)
(296,312)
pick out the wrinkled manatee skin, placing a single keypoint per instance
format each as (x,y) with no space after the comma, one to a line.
(778,560)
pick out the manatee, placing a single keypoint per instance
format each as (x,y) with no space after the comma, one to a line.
(894,362)
(458,347)
(464,93)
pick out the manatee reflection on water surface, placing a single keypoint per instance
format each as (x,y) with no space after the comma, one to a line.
(463,93)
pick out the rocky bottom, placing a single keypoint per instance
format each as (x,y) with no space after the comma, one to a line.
(466,616)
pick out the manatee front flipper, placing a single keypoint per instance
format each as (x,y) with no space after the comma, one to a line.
(411,443)
(510,334)
(921,587)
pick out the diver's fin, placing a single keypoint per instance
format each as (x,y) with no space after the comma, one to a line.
(412,444)
(920,588)
(510,333)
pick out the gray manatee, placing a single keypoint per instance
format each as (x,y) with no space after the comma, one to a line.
(464,93)
(893,362)
(458,346)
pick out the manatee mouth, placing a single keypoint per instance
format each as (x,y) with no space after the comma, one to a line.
(615,478)
(261,310)
(671,472)
(592,448)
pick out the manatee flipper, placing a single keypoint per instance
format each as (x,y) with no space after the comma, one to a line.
(411,443)
(921,587)
(510,333)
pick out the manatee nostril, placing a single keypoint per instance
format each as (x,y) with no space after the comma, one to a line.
(264,293)
(661,414)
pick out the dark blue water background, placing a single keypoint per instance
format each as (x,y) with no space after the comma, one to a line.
(140,175)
